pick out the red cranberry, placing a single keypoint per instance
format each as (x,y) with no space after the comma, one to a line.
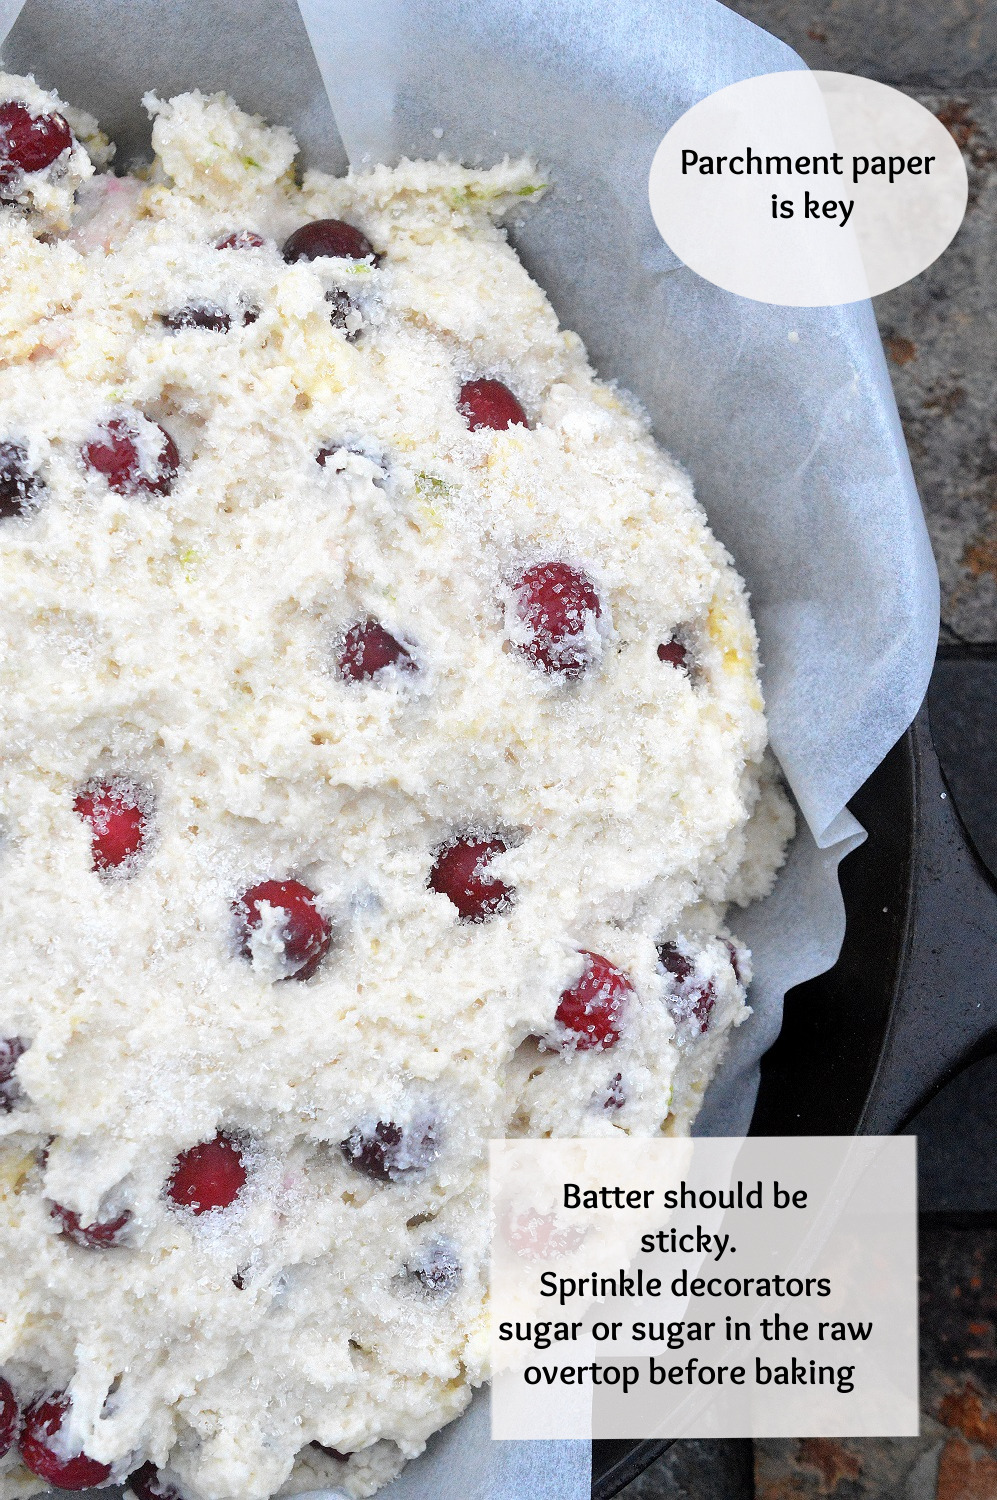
(689,1002)
(367,649)
(11,1049)
(388,1153)
(117,824)
(675,654)
(18,486)
(591,1011)
(197,315)
(329,450)
(674,962)
(208,1176)
(489,403)
(537,1236)
(555,603)
(116,452)
(330,237)
(703,1000)
(97,1236)
(147,1484)
(460,872)
(735,961)
(241,239)
(27,142)
(44,1457)
(341,304)
(10,1417)
(615,1096)
(438,1269)
(305,934)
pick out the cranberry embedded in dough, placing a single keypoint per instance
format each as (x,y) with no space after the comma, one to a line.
(703,1000)
(331,237)
(241,239)
(43,1454)
(367,649)
(674,654)
(674,962)
(387,1152)
(344,314)
(542,1236)
(117,824)
(29,142)
(11,1049)
(590,1012)
(10,1417)
(489,403)
(208,1176)
(615,1096)
(302,933)
(688,1002)
(133,463)
(438,1269)
(148,1484)
(197,315)
(97,1236)
(329,450)
(18,486)
(460,872)
(556,604)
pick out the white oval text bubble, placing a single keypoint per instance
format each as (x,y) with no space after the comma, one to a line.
(808,189)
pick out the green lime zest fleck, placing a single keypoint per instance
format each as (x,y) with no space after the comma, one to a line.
(473,193)
(431,486)
(479,192)
(189,561)
(247,161)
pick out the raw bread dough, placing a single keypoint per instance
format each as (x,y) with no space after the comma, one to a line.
(185,645)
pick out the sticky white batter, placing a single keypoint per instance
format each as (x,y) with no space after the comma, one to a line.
(187,643)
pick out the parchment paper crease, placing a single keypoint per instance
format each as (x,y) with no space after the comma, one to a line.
(785,417)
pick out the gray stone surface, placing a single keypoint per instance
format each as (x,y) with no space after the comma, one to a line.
(940,334)
(940,331)
(950,44)
(698,1470)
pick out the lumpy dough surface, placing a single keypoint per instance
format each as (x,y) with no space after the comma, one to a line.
(282,689)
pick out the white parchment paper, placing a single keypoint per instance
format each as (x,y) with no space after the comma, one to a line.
(785,417)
